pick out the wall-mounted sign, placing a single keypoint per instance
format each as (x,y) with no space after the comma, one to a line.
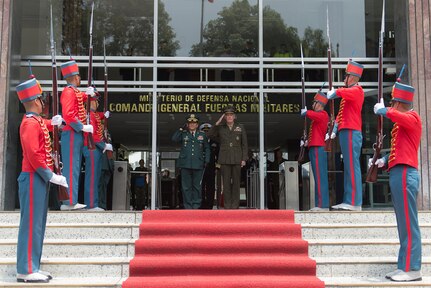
(202,103)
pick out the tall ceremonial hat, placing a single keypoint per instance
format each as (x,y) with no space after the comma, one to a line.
(354,68)
(69,68)
(403,93)
(29,90)
(205,127)
(320,97)
(192,118)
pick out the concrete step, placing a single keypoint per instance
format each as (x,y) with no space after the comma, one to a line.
(76,267)
(76,248)
(84,230)
(375,267)
(348,217)
(341,231)
(359,248)
(79,216)
(100,282)
(364,282)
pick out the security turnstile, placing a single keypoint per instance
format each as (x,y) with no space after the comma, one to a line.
(120,187)
(290,198)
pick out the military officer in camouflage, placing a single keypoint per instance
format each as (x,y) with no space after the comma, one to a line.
(194,156)
(232,156)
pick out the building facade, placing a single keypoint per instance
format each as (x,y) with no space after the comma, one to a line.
(169,58)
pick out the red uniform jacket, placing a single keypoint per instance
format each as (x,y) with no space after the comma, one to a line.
(349,116)
(96,121)
(405,138)
(72,107)
(36,145)
(318,127)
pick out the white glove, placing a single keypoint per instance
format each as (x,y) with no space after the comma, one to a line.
(333,135)
(304,111)
(90,91)
(379,106)
(302,143)
(57,120)
(59,180)
(326,136)
(379,162)
(107,114)
(88,128)
(108,147)
(331,93)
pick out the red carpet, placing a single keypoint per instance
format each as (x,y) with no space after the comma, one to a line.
(221,248)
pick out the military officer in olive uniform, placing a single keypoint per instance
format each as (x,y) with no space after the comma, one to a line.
(194,156)
(232,155)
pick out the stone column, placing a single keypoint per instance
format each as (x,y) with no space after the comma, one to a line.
(419,58)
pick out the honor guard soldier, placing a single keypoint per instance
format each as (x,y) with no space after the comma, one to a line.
(33,182)
(93,158)
(232,156)
(194,156)
(402,163)
(72,137)
(316,152)
(349,126)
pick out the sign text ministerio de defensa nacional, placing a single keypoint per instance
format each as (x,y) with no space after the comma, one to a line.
(202,103)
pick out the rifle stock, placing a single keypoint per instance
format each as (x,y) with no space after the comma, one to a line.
(373,169)
(58,165)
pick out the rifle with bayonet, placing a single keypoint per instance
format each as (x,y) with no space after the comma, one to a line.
(58,165)
(304,137)
(105,102)
(372,171)
(328,142)
(90,139)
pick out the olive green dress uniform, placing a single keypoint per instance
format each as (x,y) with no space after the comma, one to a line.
(194,155)
(233,150)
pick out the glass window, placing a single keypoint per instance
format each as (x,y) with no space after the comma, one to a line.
(211,28)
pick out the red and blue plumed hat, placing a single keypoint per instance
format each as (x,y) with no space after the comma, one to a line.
(321,98)
(29,90)
(69,68)
(354,68)
(403,93)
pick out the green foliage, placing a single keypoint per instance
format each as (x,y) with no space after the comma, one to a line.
(128,28)
(240,22)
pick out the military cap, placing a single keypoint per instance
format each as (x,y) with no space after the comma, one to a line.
(205,127)
(229,109)
(192,118)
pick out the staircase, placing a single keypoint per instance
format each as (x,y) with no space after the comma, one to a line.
(81,249)
(357,249)
(221,249)
(90,249)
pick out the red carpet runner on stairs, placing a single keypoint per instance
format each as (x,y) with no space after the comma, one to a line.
(221,248)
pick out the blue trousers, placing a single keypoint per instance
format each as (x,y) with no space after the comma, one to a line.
(33,200)
(404,183)
(71,155)
(93,169)
(319,164)
(351,143)
(191,185)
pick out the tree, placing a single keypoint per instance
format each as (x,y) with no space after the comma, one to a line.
(126,25)
(240,22)
(314,43)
